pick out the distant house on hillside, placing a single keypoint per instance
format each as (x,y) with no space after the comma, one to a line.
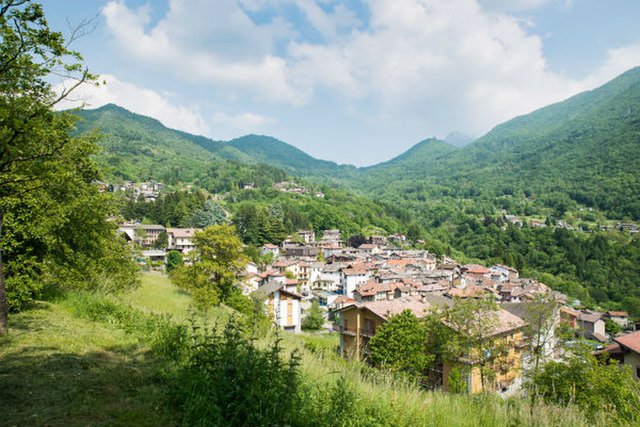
(283,306)
(181,239)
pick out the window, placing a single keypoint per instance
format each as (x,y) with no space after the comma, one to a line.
(637,371)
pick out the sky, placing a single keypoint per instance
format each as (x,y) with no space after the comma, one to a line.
(353,81)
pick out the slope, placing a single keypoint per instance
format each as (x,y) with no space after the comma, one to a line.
(138,147)
(265,149)
(585,149)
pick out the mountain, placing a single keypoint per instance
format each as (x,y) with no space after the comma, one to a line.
(265,149)
(583,150)
(459,139)
(138,147)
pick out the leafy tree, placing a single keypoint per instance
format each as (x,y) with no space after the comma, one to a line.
(174,260)
(539,330)
(356,240)
(314,320)
(399,345)
(210,214)
(162,241)
(217,260)
(53,225)
(612,327)
(473,322)
(591,384)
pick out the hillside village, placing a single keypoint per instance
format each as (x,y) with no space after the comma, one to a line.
(360,288)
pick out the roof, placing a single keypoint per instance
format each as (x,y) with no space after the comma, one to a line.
(507,322)
(182,232)
(386,308)
(151,227)
(618,314)
(630,341)
(476,269)
(570,311)
(268,289)
(590,317)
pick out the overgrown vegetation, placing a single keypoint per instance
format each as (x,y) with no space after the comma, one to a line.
(167,385)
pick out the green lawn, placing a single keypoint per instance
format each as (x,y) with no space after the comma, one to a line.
(158,295)
(59,370)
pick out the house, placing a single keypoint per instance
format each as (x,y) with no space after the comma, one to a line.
(251,268)
(270,249)
(619,317)
(569,316)
(545,337)
(352,277)
(592,326)
(181,239)
(147,234)
(506,370)
(155,255)
(359,321)
(503,272)
(626,350)
(375,291)
(283,306)
(331,236)
(378,240)
(307,236)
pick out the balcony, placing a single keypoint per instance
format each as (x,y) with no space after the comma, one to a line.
(354,331)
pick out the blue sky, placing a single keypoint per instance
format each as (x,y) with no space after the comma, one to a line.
(355,81)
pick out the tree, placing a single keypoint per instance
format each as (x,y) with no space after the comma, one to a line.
(46,176)
(539,331)
(314,319)
(591,384)
(473,322)
(217,260)
(210,214)
(399,345)
(162,241)
(174,260)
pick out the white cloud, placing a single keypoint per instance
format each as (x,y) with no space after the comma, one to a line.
(242,123)
(138,100)
(206,42)
(439,64)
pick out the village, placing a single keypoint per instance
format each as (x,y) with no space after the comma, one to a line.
(359,289)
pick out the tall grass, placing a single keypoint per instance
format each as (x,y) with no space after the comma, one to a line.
(226,376)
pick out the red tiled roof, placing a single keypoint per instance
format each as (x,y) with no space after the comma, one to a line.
(618,313)
(630,341)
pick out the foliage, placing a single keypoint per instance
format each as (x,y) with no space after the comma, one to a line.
(230,381)
(53,220)
(539,330)
(162,241)
(210,214)
(314,319)
(174,260)
(217,260)
(591,384)
(399,345)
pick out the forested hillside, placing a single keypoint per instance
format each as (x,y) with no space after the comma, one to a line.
(584,151)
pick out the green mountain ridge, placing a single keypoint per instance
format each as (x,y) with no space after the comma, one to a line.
(584,149)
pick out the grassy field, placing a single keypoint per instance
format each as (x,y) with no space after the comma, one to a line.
(57,368)
(158,295)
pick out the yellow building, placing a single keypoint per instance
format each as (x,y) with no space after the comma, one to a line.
(359,321)
(505,369)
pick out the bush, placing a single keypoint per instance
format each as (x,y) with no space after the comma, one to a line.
(314,319)
(230,381)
